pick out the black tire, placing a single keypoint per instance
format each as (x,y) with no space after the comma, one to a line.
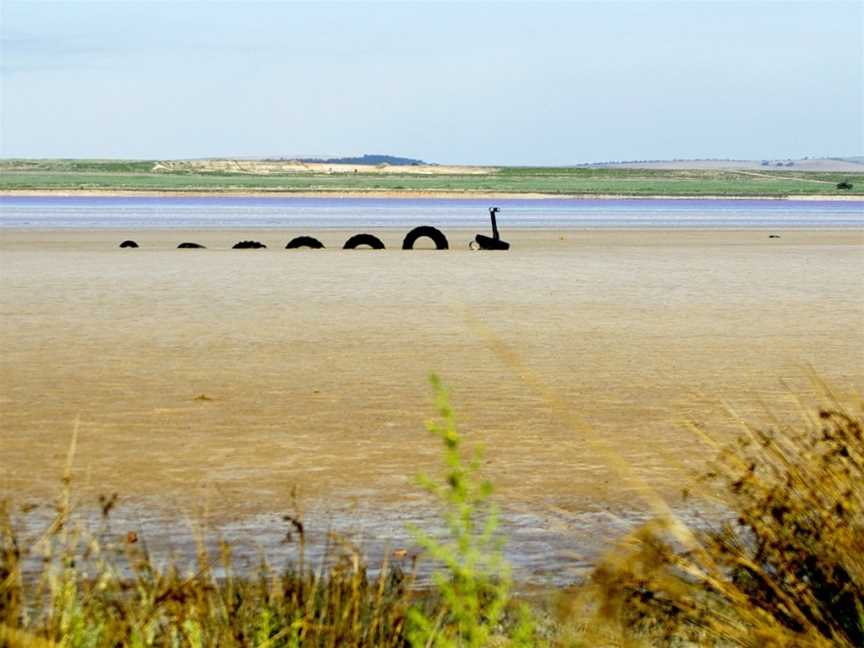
(128,244)
(248,245)
(489,243)
(304,241)
(433,233)
(363,239)
(191,246)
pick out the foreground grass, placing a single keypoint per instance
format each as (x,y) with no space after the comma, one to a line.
(787,569)
(89,592)
(94,175)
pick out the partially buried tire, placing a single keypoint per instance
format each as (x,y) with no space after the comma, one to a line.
(363,239)
(190,246)
(433,233)
(128,244)
(304,242)
(248,245)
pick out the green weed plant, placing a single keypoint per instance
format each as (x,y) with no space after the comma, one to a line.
(474,586)
(786,568)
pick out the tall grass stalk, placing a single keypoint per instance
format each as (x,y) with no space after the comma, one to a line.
(475,583)
(787,569)
(92,591)
(102,590)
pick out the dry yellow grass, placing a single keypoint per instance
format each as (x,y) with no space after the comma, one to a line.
(786,570)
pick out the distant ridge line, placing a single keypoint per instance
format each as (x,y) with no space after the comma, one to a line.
(366,159)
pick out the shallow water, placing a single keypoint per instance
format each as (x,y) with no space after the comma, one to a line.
(575,354)
(321,213)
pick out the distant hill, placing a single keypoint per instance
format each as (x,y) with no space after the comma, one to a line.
(367,158)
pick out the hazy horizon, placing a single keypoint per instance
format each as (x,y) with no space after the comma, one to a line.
(545,84)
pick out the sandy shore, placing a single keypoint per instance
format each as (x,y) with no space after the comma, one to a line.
(374,193)
(225,379)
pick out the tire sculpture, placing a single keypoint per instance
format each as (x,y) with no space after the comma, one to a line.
(248,245)
(480,242)
(363,239)
(433,233)
(304,241)
(489,243)
(494,242)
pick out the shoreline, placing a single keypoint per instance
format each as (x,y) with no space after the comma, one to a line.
(429,195)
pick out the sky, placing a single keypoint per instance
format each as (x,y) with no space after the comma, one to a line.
(454,83)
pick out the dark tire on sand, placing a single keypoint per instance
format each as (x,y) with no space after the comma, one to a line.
(128,244)
(248,245)
(363,239)
(191,246)
(433,233)
(304,241)
(489,243)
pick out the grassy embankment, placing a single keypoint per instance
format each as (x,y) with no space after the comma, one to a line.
(94,175)
(787,569)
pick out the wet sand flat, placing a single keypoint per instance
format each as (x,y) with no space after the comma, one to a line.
(232,377)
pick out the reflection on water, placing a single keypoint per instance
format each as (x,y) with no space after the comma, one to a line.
(545,547)
(280,212)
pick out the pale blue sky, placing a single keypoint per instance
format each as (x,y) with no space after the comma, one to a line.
(506,83)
